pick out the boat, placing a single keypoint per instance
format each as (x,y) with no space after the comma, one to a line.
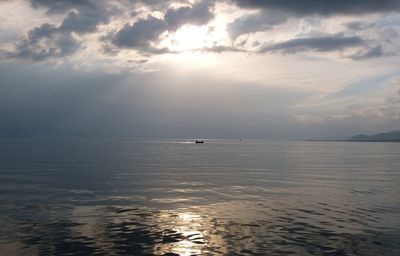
(199,141)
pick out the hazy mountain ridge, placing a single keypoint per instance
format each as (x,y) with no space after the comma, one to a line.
(387,136)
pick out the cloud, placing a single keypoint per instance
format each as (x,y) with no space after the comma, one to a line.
(61,6)
(45,30)
(151,30)
(83,17)
(52,41)
(373,52)
(323,7)
(56,46)
(221,48)
(252,23)
(321,44)
(358,26)
(199,14)
(83,21)
(141,34)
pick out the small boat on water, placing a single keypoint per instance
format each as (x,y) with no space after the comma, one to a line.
(199,142)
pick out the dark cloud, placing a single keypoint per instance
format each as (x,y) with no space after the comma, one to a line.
(373,52)
(143,32)
(358,26)
(140,34)
(61,6)
(53,45)
(198,14)
(252,23)
(326,43)
(84,16)
(156,4)
(84,21)
(52,41)
(273,12)
(46,41)
(322,44)
(45,30)
(323,7)
(221,48)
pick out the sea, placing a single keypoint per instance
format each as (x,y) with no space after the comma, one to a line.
(106,196)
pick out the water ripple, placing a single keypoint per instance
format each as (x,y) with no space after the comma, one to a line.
(83,197)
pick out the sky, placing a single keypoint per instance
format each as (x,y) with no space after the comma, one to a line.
(256,69)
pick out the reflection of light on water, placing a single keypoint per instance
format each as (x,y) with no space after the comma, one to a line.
(191,232)
(193,240)
(190,217)
(123,229)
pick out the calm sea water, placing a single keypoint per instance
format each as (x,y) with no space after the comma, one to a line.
(130,197)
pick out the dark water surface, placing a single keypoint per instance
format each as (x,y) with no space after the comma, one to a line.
(127,197)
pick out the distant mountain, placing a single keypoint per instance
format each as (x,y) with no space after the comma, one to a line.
(393,136)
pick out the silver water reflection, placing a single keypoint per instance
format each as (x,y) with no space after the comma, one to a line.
(121,197)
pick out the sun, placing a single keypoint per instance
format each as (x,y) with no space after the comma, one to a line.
(189,37)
